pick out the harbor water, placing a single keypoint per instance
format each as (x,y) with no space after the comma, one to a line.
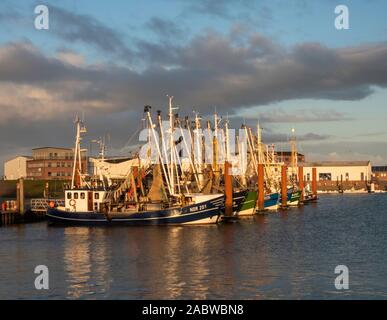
(290,254)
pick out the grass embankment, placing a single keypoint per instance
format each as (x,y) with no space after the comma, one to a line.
(32,188)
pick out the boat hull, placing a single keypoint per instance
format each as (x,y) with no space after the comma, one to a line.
(237,199)
(271,202)
(294,198)
(248,204)
(207,212)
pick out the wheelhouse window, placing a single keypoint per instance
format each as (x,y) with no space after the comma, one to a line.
(75,195)
(82,195)
(68,195)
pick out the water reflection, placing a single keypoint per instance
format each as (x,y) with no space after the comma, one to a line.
(86,262)
(290,254)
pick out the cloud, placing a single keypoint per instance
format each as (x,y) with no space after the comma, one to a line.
(376,152)
(84,28)
(208,71)
(284,138)
(257,14)
(164,28)
(296,116)
(40,93)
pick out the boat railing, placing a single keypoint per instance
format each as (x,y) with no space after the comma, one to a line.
(43,204)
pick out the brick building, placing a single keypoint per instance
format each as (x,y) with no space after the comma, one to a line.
(50,163)
(286,158)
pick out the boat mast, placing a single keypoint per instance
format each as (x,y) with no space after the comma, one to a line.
(293,154)
(171,145)
(146,110)
(163,144)
(77,152)
(189,153)
(228,154)
(198,145)
(215,146)
(251,147)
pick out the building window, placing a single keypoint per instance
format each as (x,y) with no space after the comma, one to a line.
(49,174)
(308,176)
(325,176)
(82,195)
(347,176)
(96,196)
(68,195)
(75,195)
(49,164)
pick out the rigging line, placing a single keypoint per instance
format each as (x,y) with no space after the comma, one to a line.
(131,137)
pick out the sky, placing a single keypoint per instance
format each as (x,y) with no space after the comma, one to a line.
(282,63)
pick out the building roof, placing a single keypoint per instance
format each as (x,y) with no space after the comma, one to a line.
(61,148)
(26,157)
(114,159)
(337,164)
(287,153)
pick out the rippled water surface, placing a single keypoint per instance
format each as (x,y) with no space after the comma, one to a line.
(290,254)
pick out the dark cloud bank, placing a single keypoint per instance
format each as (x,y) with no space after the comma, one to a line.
(210,70)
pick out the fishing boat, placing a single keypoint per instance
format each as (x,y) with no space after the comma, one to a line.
(271,201)
(293,197)
(80,211)
(238,200)
(249,205)
(128,203)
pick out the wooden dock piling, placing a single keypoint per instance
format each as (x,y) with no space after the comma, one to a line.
(228,189)
(314,182)
(261,188)
(21,197)
(284,187)
(301,182)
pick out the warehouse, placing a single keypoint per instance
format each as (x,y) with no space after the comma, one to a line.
(336,175)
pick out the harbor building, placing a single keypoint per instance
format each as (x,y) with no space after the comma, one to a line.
(53,163)
(380,173)
(379,177)
(286,158)
(339,175)
(16,168)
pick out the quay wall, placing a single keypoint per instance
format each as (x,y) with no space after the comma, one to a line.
(32,188)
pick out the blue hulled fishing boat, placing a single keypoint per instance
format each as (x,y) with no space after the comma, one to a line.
(202,210)
(162,201)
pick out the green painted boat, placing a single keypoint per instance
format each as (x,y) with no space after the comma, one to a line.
(294,198)
(248,204)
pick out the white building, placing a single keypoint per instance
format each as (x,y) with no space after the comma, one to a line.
(16,168)
(339,170)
